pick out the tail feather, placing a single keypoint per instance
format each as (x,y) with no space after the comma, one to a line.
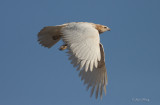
(49,36)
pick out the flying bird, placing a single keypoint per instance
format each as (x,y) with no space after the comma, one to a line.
(84,50)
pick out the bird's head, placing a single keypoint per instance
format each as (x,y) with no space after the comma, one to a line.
(101,28)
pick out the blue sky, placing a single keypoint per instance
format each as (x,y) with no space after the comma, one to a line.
(34,75)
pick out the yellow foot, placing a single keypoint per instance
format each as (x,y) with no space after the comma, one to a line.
(63,47)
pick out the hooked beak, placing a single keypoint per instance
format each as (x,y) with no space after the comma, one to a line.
(108,29)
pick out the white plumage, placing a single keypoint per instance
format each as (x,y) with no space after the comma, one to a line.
(84,50)
(83,43)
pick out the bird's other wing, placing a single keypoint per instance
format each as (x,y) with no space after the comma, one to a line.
(49,35)
(82,40)
(97,79)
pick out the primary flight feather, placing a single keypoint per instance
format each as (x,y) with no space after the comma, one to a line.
(84,50)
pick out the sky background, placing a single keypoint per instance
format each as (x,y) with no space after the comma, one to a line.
(33,75)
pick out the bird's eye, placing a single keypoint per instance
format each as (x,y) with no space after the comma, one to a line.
(105,27)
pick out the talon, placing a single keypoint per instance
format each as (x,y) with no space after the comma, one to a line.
(63,47)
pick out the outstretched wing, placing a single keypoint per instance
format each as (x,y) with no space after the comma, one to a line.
(82,40)
(97,79)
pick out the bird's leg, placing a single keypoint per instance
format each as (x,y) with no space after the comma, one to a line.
(63,47)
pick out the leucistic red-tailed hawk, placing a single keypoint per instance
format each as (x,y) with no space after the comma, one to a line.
(84,49)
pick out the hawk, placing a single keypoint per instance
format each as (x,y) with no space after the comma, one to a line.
(84,50)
